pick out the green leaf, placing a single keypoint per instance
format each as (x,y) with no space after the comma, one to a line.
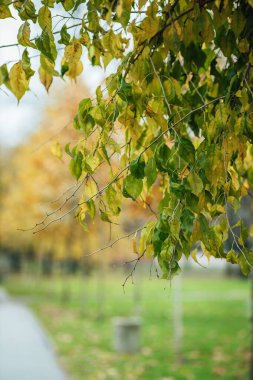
(46,45)
(67,150)
(26,10)
(65,36)
(151,172)
(231,257)
(132,187)
(4,76)
(26,63)
(84,106)
(45,19)
(77,3)
(186,219)
(24,35)
(157,240)
(76,165)
(186,149)
(48,65)
(244,233)
(162,156)
(125,91)
(204,225)
(91,208)
(245,260)
(237,22)
(68,4)
(137,168)
(85,120)
(177,188)
(105,217)
(123,10)
(195,182)
(169,268)
(112,199)
(49,3)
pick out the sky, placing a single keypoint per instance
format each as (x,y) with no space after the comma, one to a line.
(18,121)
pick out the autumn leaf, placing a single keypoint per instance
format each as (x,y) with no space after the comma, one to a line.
(4,11)
(45,19)
(24,35)
(45,77)
(18,81)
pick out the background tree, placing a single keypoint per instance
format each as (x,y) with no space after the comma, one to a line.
(35,183)
(177,112)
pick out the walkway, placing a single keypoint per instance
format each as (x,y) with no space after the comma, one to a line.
(25,351)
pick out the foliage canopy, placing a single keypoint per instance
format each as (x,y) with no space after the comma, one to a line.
(175,115)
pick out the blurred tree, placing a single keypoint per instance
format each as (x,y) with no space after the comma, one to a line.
(36,182)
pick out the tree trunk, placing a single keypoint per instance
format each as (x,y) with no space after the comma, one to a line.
(177,305)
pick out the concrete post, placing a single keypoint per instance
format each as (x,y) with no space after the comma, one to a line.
(126,334)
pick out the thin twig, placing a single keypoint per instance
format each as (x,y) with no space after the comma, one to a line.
(133,270)
(161,84)
(110,245)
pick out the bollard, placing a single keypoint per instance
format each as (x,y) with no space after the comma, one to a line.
(126,334)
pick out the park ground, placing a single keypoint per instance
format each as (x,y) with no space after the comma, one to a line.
(77,312)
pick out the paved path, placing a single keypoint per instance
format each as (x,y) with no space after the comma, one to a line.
(25,351)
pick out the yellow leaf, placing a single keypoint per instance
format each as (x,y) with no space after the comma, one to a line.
(4,12)
(134,246)
(45,19)
(56,150)
(18,81)
(47,65)
(142,3)
(234,177)
(231,257)
(92,161)
(75,70)
(149,251)
(196,235)
(244,46)
(194,256)
(73,52)
(71,59)
(24,35)
(90,188)
(45,77)
(119,9)
(206,252)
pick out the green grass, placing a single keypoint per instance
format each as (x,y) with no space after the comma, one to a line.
(215,317)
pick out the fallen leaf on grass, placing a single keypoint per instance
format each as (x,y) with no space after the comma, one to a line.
(146,351)
(65,338)
(193,355)
(219,371)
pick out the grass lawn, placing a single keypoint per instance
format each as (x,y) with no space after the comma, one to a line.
(77,313)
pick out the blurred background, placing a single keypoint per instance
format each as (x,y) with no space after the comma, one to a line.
(196,327)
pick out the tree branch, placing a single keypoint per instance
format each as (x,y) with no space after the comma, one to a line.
(133,270)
